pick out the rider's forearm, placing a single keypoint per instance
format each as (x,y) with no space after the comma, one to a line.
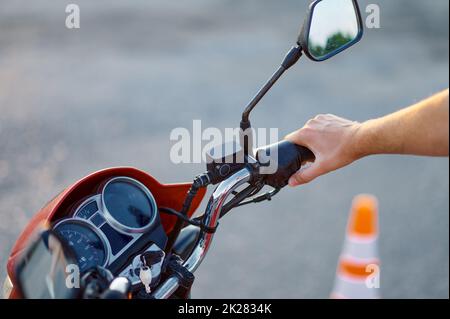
(422,129)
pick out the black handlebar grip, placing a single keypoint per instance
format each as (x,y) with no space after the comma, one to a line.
(280,161)
(306,155)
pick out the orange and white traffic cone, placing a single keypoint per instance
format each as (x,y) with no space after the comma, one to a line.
(358,270)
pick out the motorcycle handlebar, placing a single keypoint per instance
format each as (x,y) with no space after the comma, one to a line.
(210,219)
(289,158)
(281,161)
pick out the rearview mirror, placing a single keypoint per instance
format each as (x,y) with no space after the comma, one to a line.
(331,27)
(41,272)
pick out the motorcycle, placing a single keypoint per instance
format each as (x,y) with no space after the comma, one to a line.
(120,233)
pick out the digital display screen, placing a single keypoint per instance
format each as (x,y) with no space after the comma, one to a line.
(116,239)
(97,220)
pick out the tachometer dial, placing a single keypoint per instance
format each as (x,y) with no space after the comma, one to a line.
(87,244)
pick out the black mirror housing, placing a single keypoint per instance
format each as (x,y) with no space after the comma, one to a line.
(304,37)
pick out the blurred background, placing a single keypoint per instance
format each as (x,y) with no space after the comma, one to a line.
(109,94)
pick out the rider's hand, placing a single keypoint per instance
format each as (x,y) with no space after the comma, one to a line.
(332,139)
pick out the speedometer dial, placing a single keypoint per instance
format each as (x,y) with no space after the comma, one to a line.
(128,205)
(87,244)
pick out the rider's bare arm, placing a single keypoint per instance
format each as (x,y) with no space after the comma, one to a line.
(421,129)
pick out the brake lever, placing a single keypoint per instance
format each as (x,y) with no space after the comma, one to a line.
(266,196)
(238,198)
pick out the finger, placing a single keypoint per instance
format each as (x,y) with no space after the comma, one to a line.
(305,175)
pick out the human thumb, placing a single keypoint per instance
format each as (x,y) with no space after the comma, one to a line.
(305,175)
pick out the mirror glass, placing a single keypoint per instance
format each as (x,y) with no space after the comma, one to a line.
(42,270)
(334,26)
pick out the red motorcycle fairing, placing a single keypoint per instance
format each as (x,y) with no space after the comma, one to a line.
(166,195)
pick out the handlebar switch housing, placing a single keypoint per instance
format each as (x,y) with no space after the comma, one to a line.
(224,160)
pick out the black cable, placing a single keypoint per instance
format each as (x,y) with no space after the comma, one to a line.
(266,196)
(200,181)
(190,221)
(239,197)
(236,201)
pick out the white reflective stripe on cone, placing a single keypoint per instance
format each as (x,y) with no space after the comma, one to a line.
(361,248)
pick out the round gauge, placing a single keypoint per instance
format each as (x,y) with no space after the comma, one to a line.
(88,245)
(129,203)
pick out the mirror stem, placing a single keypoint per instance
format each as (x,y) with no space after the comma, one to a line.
(291,58)
(261,93)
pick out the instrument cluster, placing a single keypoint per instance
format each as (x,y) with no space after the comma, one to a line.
(110,227)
